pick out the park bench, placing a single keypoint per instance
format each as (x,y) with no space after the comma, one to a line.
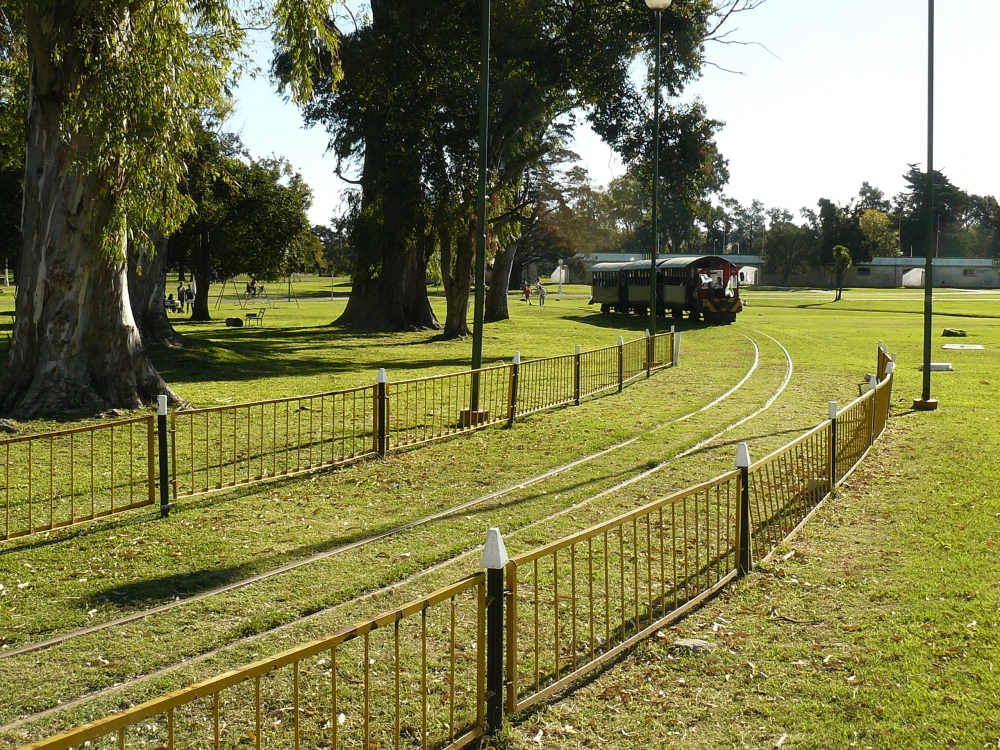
(257,317)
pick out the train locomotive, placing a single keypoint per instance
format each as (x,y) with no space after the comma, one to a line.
(706,287)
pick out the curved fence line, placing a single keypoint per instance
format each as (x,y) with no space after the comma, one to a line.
(56,479)
(432,674)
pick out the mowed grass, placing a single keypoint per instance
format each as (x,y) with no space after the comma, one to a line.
(877,625)
(96,572)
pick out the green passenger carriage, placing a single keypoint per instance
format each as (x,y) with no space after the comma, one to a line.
(706,287)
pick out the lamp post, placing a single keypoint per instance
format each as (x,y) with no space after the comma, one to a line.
(480,270)
(657,6)
(925,402)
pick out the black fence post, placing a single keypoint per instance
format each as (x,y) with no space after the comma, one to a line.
(576,377)
(833,445)
(743,536)
(515,371)
(494,561)
(382,427)
(649,354)
(621,364)
(161,429)
(675,346)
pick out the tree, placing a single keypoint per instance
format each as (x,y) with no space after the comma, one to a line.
(147,288)
(789,248)
(841,261)
(951,205)
(117,91)
(881,237)
(249,218)
(13,118)
(405,117)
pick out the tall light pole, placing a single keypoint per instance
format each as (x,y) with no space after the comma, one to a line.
(925,402)
(480,271)
(657,6)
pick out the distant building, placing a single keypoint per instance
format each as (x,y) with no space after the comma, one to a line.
(879,273)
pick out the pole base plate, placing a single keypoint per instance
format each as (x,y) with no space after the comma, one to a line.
(930,404)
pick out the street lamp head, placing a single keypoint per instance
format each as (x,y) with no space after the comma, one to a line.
(658,4)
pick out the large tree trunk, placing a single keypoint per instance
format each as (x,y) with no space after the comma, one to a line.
(416,304)
(496,306)
(147,287)
(202,274)
(457,276)
(75,344)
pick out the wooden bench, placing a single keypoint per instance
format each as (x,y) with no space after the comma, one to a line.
(257,317)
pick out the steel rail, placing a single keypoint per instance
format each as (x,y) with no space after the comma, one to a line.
(294,564)
(81,700)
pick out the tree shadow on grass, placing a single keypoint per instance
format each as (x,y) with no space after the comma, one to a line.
(637,323)
(251,355)
(156,591)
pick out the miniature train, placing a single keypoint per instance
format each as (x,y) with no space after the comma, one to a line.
(704,286)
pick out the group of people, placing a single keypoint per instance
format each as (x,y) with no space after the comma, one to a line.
(539,291)
(185,298)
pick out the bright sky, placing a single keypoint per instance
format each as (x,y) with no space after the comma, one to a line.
(843,101)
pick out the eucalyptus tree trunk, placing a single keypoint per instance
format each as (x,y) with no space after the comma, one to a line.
(147,288)
(456,273)
(416,304)
(75,345)
(496,305)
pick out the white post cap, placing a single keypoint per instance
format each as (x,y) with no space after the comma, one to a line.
(494,553)
(742,456)
(577,348)
(671,329)
(647,333)
(621,341)
(873,382)
(517,358)
(833,410)
(893,358)
(890,368)
(381,377)
(880,344)
(161,405)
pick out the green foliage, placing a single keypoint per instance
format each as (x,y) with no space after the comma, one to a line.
(132,84)
(249,218)
(881,237)
(789,248)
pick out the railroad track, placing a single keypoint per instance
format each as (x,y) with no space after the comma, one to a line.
(399,529)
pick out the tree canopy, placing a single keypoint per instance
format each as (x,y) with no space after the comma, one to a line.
(118,92)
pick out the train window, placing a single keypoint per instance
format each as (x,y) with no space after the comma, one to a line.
(968,271)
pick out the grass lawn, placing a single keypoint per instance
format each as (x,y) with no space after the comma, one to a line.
(897,559)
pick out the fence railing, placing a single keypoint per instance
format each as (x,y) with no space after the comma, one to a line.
(228,446)
(785,486)
(56,479)
(432,674)
(576,603)
(410,678)
(64,477)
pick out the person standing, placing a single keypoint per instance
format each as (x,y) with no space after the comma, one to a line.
(541,293)
(181,294)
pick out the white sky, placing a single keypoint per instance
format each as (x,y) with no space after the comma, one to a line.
(846,102)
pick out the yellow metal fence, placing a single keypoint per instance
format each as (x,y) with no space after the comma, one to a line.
(578,602)
(416,677)
(410,678)
(227,446)
(59,478)
(64,477)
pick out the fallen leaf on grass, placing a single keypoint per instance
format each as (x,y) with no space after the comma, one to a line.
(850,628)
